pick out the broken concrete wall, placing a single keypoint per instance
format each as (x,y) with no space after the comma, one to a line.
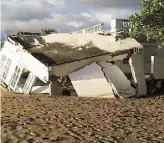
(101,80)
(91,82)
(137,68)
(65,69)
(41,89)
(52,88)
(118,79)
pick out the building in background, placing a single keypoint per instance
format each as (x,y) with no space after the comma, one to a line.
(93,29)
(120,25)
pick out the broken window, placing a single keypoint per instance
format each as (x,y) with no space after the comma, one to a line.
(29,83)
(15,77)
(3,58)
(125,24)
(6,69)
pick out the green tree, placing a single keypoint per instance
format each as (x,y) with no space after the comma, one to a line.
(149,22)
(47,31)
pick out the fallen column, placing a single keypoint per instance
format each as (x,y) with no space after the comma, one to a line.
(137,68)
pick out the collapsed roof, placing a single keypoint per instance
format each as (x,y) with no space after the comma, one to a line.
(56,49)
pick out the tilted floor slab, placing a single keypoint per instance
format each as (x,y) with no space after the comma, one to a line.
(116,77)
(101,80)
(91,82)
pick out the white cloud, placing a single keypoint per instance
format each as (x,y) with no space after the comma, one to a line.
(33,15)
(59,3)
(104,17)
(114,3)
(27,10)
(85,14)
(75,24)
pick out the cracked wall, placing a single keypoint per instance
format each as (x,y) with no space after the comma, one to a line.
(91,82)
(101,80)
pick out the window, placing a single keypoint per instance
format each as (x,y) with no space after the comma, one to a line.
(125,24)
(6,69)
(3,58)
(29,83)
(15,77)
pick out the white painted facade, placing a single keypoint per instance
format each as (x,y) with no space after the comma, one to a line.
(14,59)
(120,25)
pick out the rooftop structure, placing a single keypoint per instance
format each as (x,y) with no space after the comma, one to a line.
(93,29)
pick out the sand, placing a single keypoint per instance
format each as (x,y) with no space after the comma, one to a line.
(81,120)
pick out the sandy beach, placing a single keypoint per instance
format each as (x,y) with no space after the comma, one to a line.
(42,119)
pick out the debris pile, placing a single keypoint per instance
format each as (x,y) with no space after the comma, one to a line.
(79,63)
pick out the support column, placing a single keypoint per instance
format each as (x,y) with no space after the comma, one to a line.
(137,68)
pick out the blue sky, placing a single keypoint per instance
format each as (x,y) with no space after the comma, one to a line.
(63,15)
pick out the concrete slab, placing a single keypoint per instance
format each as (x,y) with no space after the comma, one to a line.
(137,68)
(91,82)
(41,89)
(118,79)
(52,88)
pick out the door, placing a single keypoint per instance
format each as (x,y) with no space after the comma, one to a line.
(29,83)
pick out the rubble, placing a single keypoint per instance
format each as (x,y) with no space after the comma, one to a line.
(83,59)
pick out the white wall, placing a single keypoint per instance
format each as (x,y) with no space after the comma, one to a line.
(147,51)
(117,25)
(24,60)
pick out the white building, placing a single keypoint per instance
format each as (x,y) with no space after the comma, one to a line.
(120,25)
(149,49)
(15,61)
(93,29)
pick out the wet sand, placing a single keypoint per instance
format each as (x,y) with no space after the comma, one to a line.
(41,119)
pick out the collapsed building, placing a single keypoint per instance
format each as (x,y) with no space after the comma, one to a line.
(75,64)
